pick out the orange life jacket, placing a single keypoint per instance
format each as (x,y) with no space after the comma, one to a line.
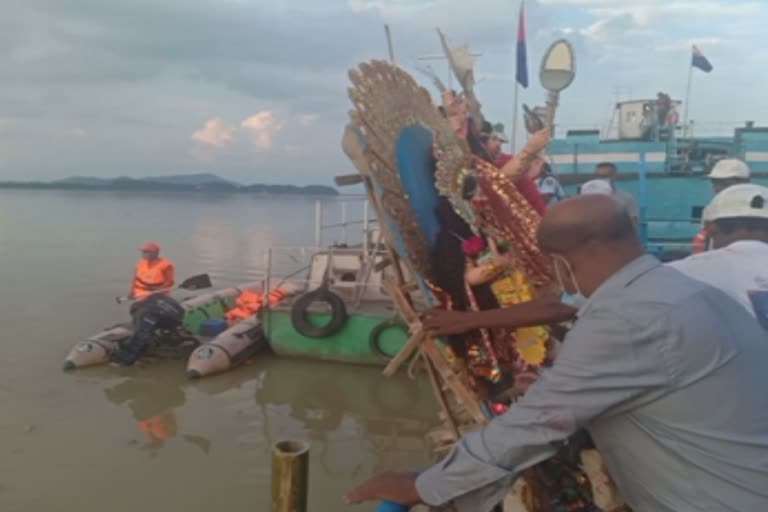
(152,276)
(699,242)
(249,303)
(158,427)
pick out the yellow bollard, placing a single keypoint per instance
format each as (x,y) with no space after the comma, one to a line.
(290,476)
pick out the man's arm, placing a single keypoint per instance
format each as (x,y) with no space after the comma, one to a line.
(170,276)
(134,282)
(525,314)
(605,362)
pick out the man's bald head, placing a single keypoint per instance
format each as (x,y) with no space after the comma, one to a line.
(581,220)
(594,235)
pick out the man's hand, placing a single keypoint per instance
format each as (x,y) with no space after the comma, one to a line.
(440,321)
(396,486)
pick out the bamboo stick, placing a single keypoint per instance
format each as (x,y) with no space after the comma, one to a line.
(440,394)
(405,353)
(290,476)
(465,398)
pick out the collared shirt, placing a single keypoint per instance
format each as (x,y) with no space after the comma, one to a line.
(627,200)
(623,197)
(740,270)
(668,376)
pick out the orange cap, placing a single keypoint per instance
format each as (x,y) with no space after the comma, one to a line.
(150,247)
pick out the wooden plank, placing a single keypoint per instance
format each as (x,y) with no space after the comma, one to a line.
(344,180)
(382,264)
(441,396)
(404,354)
(465,398)
(402,304)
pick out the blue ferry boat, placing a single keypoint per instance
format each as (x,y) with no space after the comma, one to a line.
(663,166)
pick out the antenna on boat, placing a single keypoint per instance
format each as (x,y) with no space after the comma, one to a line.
(443,57)
(389,44)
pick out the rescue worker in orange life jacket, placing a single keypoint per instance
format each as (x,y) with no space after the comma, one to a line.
(153,273)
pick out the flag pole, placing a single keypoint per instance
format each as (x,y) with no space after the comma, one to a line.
(688,97)
(513,140)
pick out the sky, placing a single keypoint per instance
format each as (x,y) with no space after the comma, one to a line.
(255,90)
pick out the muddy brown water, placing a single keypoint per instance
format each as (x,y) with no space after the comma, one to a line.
(74,441)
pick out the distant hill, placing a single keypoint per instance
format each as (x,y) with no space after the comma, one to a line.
(202,182)
(192,179)
(84,180)
(177,179)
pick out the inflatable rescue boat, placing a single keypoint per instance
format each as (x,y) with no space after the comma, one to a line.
(217,348)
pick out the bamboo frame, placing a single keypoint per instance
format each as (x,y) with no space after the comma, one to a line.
(386,100)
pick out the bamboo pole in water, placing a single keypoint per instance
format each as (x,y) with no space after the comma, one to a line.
(290,476)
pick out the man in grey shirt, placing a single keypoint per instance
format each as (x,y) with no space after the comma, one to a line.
(666,373)
(608,171)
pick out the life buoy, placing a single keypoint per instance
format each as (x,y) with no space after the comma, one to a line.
(300,310)
(374,339)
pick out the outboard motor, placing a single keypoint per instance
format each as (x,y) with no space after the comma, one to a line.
(158,311)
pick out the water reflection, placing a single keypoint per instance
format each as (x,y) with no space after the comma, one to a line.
(355,419)
(152,403)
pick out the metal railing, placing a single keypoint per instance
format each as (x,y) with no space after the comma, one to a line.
(366,221)
(345,223)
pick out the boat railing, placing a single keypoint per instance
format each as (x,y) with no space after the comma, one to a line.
(365,220)
(336,237)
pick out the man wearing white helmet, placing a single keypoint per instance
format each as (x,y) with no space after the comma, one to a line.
(605,187)
(726,172)
(737,225)
(609,172)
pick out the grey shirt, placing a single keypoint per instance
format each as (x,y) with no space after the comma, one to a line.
(627,200)
(667,374)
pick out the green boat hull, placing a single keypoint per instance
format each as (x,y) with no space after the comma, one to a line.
(351,344)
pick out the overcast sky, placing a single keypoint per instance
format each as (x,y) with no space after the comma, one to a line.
(255,90)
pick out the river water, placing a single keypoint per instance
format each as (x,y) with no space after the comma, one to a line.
(71,441)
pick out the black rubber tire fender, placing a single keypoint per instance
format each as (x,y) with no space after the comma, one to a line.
(300,309)
(374,337)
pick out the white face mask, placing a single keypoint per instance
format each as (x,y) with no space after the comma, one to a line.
(571,275)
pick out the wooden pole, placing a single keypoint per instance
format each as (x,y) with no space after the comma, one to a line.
(552,100)
(450,68)
(290,476)
(389,44)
